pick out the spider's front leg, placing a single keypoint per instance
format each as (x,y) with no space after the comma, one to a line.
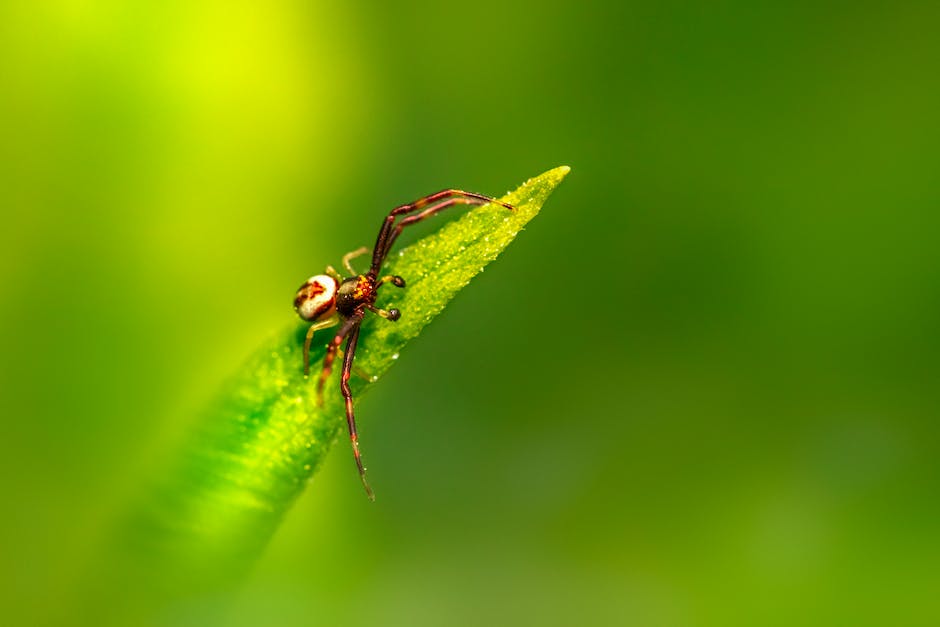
(428,206)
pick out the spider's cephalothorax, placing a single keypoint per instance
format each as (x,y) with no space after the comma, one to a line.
(326,300)
(354,292)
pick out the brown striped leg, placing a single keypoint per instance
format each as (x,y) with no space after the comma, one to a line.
(427,213)
(382,245)
(331,353)
(350,415)
(356,370)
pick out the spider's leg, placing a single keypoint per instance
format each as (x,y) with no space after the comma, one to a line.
(356,370)
(391,314)
(394,279)
(331,271)
(316,326)
(446,193)
(331,353)
(427,213)
(382,245)
(350,416)
(352,255)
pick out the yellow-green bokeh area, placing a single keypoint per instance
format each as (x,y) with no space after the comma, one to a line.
(699,389)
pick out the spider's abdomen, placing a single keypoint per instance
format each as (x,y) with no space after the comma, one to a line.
(354,292)
(316,299)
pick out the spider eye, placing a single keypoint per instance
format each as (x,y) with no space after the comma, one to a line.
(316,298)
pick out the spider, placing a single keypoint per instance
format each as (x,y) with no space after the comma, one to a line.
(329,299)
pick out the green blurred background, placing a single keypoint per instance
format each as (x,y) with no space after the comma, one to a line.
(700,389)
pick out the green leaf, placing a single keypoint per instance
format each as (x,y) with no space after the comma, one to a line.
(266,435)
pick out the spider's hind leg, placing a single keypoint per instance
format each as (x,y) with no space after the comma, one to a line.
(356,370)
(331,350)
(350,415)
